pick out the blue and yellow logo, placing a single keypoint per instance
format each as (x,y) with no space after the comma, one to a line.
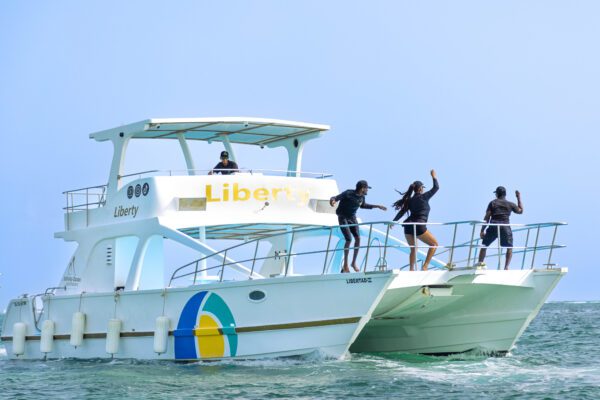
(206,329)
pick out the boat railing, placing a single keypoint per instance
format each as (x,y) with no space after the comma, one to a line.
(250,171)
(95,196)
(84,199)
(459,254)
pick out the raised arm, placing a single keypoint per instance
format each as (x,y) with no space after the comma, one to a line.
(436,186)
(519,209)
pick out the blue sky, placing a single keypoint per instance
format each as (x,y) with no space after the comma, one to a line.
(487,93)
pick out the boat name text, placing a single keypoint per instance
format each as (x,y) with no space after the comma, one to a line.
(359,280)
(19,303)
(298,195)
(125,211)
(71,280)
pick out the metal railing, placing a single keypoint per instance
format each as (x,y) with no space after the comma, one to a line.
(92,197)
(84,199)
(251,171)
(459,254)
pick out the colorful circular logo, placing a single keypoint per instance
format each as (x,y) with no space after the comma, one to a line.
(206,329)
(138,190)
(129,192)
(145,189)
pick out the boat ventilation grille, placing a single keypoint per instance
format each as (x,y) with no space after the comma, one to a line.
(109,255)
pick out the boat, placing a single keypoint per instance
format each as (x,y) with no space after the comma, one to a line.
(460,306)
(261,276)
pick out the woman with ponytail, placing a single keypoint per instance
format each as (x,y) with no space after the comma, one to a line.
(416,202)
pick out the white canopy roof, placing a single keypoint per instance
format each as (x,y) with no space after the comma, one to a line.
(242,130)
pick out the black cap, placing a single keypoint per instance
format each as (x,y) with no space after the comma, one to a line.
(362,184)
(224,154)
(500,191)
(417,185)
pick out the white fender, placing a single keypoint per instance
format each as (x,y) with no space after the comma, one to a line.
(77,328)
(161,334)
(113,334)
(18,341)
(47,339)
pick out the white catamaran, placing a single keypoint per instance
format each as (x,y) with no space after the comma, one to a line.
(265,278)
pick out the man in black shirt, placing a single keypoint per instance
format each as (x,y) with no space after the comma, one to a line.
(350,201)
(224,167)
(498,212)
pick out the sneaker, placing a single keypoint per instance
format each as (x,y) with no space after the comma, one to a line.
(480,265)
(450,266)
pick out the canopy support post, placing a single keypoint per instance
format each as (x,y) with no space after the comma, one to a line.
(228,147)
(189,161)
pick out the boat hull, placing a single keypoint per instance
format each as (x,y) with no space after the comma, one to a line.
(441,313)
(296,316)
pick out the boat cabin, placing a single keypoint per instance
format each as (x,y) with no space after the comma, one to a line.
(121,227)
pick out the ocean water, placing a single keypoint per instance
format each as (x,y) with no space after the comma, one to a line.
(558,357)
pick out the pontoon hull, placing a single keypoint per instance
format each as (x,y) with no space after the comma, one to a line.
(453,312)
(298,315)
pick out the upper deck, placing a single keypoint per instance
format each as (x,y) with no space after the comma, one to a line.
(271,133)
(191,197)
(188,201)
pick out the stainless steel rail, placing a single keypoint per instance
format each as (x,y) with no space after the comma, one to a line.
(84,199)
(378,239)
(251,171)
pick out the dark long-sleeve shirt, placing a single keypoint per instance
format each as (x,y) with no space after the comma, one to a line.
(223,169)
(350,202)
(418,205)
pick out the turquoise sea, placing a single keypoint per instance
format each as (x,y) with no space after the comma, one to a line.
(558,357)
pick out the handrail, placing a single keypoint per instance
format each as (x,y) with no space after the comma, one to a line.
(71,194)
(287,254)
(177,172)
(85,188)
(96,192)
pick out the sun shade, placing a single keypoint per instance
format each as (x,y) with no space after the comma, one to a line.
(241,130)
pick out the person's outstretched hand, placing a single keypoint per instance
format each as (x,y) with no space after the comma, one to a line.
(433,174)
(518,194)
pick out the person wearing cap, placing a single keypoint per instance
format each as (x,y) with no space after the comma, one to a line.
(350,201)
(498,212)
(415,201)
(224,167)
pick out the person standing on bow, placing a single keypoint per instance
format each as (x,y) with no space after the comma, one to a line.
(224,167)
(350,201)
(416,202)
(498,212)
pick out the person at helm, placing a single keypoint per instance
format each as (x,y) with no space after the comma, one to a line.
(225,166)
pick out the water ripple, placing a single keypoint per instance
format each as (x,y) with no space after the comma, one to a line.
(555,359)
